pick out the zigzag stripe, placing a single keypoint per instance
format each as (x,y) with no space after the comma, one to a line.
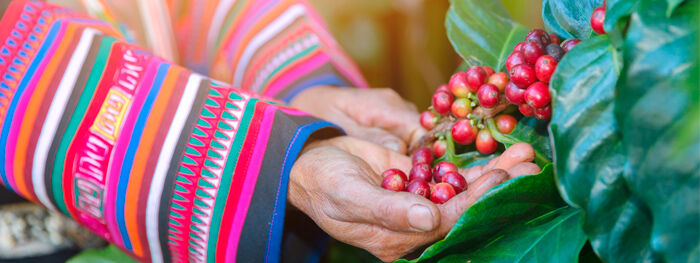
(208,184)
(189,173)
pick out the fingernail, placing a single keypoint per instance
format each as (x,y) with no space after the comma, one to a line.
(420,217)
(391,145)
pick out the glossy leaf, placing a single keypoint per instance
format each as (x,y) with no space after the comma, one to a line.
(659,112)
(616,10)
(569,18)
(589,157)
(508,213)
(554,237)
(529,130)
(483,31)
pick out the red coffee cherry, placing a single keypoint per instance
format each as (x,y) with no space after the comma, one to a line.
(506,123)
(392,172)
(544,113)
(442,101)
(537,95)
(499,79)
(420,171)
(458,85)
(439,148)
(461,107)
(569,44)
(531,51)
(555,39)
(463,132)
(485,143)
(523,75)
(419,187)
(394,183)
(514,94)
(441,193)
(476,76)
(456,180)
(489,71)
(514,59)
(526,110)
(428,120)
(441,169)
(598,19)
(422,155)
(544,68)
(488,95)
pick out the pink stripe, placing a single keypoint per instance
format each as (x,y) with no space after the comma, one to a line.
(293,112)
(249,184)
(120,146)
(292,74)
(22,107)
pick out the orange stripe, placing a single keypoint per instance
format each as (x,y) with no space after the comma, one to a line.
(260,24)
(32,111)
(141,158)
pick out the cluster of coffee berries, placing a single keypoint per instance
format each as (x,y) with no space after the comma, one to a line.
(438,183)
(530,68)
(597,19)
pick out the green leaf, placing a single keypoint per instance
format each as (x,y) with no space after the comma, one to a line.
(507,212)
(616,10)
(589,154)
(109,254)
(569,18)
(554,237)
(483,31)
(529,130)
(659,112)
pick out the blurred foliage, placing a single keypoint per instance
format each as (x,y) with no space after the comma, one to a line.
(402,44)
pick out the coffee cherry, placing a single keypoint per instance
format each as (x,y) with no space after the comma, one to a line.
(531,51)
(597,20)
(555,39)
(522,75)
(394,171)
(499,79)
(419,187)
(441,169)
(544,68)
(442,102)
(489,71)
(458,85)
(485,143)
(420,171)
(488,95)
(476,76)
(422,155)
(544,113)
(526,109)
(442,193)
(439,148)
(514,59)
(537,95)
(514,94)
(428,120)
(518,47)
(461,107)
(394,183)
(538,36)
(463,132)
(569,44)
(555,51)
(443,88)
(506,123)
(456,180)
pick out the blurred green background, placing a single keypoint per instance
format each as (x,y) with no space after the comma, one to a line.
(402,44)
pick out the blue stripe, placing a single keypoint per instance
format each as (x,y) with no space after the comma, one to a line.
(274,242)
(40,56)
(131,152)
(325,79)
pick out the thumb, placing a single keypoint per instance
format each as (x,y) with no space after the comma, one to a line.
(400,211)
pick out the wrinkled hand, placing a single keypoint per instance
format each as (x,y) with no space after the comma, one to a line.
(377,115)
(336,182)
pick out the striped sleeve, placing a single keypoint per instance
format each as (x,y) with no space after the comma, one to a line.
(165,163)
(273,47)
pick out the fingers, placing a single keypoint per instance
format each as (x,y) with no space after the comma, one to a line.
(453,209)
(523,169)
(378,158)
(380,137)
(516,153)
(398,211)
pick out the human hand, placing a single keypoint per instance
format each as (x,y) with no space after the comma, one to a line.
(377,115)
(336,182)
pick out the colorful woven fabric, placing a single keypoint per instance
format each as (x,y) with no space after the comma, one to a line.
(167,164)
